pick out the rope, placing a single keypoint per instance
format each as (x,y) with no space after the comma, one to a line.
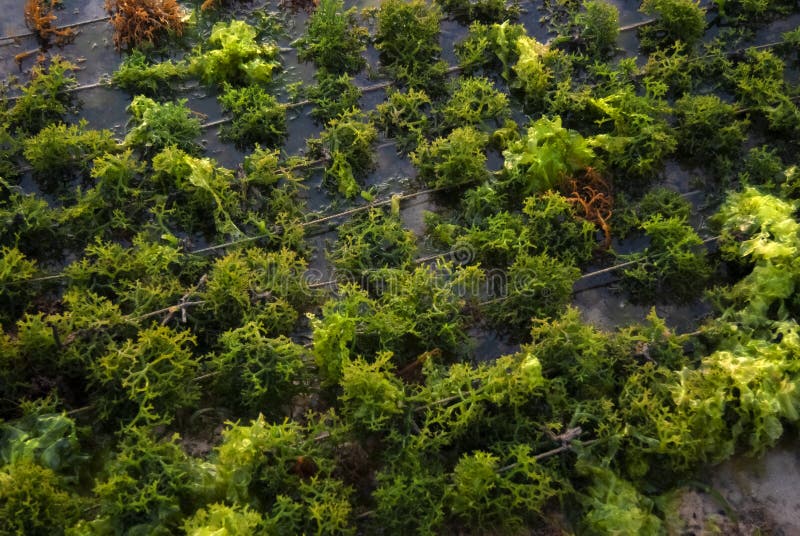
(635,25)
(75,25)
(326,218)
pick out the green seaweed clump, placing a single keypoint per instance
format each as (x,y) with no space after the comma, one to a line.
(254,285)
(407,38)
(222,520)
(10,147)
(615,506)
(47,439)
(670,268)
(639,138)
(256,371)
(235,56)
(258,117)
(15,269)
(147,488)
(59,153)
(35,501)
(332,95)
(547,154)
(458,159)
(486,11)
(347,141)
(475,102)
(677,20)
(490,47)
(412,314)
(45,99)
(157,126)
(144,382)
(532,75)
(598,27)
(28,223)
(373,240)
(759,83)
(708,132)
(138,76)
(334,41)
(406,116)
(537,286)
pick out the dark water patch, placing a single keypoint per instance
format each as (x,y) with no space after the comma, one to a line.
(413,215)
(104,107)
(607,309)
(391,167)
(301,127)
(489,345)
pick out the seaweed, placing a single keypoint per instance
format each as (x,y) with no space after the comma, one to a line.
(35,501)
(591,194)
(411,313)
(137,22)
(670,268)
(677,20)
(486,11)
(144,382)
(199,187)
(614,505)
(163,292)
(537,286)
(531,74)
(257,117)
(347,140)
(598,28)
(549,224)
(254,285)
(758,82)
(405,115)
(708,131)
(254,370)
(334,41)
(407,39)
(657,201)
(28,223)
(371,241)
(45,99)
(60,153)
(544,157)
(234,521)
(157,126)
(39,18)
(372,396)
(475,102)
(138,76)
(458,159)
(14,267)
(490,47)
(640,138)
(147,484)
(751,13)
(484,495)
(10,149)
(332,95)
(235,56)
